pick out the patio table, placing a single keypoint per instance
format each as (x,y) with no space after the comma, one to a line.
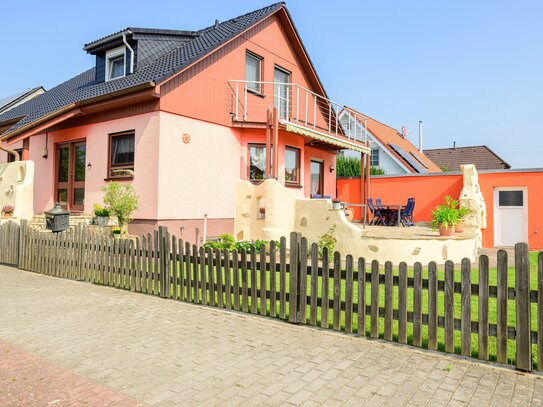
(390,209)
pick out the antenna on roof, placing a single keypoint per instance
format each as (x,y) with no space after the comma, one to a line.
(216,24)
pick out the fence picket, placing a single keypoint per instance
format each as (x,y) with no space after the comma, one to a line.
(336,322)
(417,305)
(273,283)
(523,308)
(361,310)
(218,278)
(283,278)
(349,294)
(293,278)
(449,307)
(483,308)
(325,285)
(402,303)
(195,274)
(235,266)
(465,343)
(388,301)
(253,284)
(244,294)
(374,328)
(182,272)
(203,278)
(227,279)
(501,341)
(175,268)
(262,288)
(302,282)
(432,306)
(314,283)
(210,277)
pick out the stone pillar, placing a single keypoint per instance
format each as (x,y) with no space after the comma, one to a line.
(472,198)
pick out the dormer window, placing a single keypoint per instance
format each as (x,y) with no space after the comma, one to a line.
(115,63)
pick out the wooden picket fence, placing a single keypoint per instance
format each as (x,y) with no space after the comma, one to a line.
(407,305)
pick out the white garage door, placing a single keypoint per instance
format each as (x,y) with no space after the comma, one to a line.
(511,216)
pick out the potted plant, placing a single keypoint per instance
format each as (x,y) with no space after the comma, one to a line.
(8,210)
(462,212)
(336,204)
(102,215)
(261,213)
(445,219)
(116,232)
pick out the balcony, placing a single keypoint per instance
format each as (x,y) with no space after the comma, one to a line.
(299,110)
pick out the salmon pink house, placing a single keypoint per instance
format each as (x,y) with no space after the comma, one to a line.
(182,115)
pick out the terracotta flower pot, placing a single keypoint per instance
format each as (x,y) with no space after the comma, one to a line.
(8,214)
(446,231)
(459,228)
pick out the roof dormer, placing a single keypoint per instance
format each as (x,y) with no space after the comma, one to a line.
(124,52)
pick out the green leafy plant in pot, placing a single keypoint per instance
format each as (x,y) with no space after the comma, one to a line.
(102,215)
(122,201)
(444,218)
(461,212)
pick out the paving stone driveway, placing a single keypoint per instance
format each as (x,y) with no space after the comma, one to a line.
(162,352)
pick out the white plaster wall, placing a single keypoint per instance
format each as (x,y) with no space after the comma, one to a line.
(286,213)
(197,177)
(17,188)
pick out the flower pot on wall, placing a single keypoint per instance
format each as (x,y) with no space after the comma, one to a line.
(336,206)
(102,220)
(459,228)
(443,231)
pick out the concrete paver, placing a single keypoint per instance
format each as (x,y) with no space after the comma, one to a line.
(165,353)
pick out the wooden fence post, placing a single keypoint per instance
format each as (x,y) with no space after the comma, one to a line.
(293,279)
(523,322)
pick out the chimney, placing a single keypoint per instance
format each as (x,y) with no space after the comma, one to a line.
(420,136)
(454,145)
(216,24)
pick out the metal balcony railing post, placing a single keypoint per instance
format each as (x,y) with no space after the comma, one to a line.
(297,104)
(314,111)
(306,106)
(245,103)
(237,101)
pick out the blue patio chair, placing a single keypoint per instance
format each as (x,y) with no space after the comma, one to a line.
(406,214)
(377,215)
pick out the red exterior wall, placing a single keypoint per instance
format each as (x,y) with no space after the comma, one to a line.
(429,191)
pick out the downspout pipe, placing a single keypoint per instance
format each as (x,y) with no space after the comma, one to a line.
(131,52)
(10,151)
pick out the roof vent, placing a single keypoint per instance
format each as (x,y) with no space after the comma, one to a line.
(404,132)
(216,24)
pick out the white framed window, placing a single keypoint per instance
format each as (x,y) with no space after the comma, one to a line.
(115,63)
(374,157)
(253,71)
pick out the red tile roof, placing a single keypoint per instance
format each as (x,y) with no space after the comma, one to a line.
(452,158)
(387,135)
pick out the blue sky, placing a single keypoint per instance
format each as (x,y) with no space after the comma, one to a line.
(471,70)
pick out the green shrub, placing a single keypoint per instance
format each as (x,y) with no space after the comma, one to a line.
(327,240)
(121,200)
(350,167)
(101,211)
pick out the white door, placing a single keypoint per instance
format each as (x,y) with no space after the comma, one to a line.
(511,216)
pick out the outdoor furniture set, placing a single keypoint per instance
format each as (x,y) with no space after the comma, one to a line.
(391,214)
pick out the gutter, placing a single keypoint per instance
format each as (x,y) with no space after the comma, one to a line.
(74,105)
(10,151)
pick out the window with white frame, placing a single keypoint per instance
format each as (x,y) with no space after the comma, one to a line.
(374,157)
(115,63)
(253,71)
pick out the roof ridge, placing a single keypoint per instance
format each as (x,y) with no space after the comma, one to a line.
(273,5)
(372,118)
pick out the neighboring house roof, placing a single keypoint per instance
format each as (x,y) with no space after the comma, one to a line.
(12,101)
(83,87)
(452,158)
(398,146)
